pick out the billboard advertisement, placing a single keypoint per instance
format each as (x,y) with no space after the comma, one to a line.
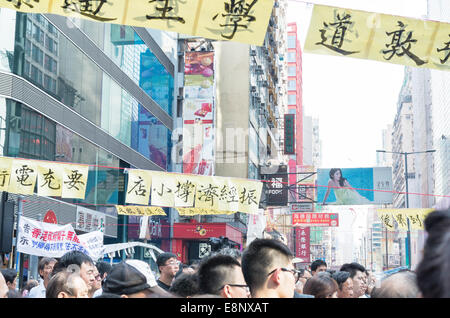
(354,186)
(302,244)
(277,187)
(289,134)
(198,113)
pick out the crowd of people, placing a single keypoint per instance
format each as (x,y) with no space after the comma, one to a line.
(265,269)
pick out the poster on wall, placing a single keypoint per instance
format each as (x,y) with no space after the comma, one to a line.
(198,114)
(354,186)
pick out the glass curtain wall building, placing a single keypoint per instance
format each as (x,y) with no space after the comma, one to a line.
(77,91)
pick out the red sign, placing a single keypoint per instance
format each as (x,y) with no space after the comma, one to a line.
(302,241)
(315,219)
(50,217)
(205,231)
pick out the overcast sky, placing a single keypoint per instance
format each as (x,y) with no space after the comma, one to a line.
(353,99)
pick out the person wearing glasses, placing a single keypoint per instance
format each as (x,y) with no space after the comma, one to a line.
(268,269)
(168,266)
(222,275)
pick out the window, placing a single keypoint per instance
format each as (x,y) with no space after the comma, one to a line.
(292,41)
(36,75)
(292,99)
(292,70)
(291,57)
(292,84)
(37,55)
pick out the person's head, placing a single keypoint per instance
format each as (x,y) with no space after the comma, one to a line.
(222,275)
(234,252)
(10,276)
(66,284)
(268,269)
(12,293)
(345,284)
(3,287)
(45,267)
(132,279)
(321,285)
(98,281)
(185,285)
(318,266)
(399,285)
(168,266)
(103,268)
(357,273)
(27,287)
(78,262)
(433,270)
(336,175)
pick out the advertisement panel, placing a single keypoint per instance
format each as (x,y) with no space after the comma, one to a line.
(277,187)
(289,134)
(198,113)
(354,186)
(302,244)
(315,219)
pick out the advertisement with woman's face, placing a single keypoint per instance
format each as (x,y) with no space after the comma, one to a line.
(354,186)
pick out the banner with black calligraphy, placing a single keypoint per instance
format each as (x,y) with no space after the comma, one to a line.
(74,181)
(416,218)
(243,21)
(163,188)
(202,211)
(138,187)
(5,172)
(139,210)
(23,176)
(50,179)
(380,37)
(46,239)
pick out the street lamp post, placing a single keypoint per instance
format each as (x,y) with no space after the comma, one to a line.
(408,237)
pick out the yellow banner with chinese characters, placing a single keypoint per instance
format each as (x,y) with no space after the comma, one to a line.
(139,210)
(74,181)
(243,21)
(5,172)
(201,211)
(138,187)
(185,187)
(416,218)
(380,37)
(50,179)
(23,176)
(163,189)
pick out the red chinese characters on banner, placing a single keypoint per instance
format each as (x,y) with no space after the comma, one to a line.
(302,242)
(315,219)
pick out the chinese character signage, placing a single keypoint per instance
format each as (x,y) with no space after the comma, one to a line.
(233,20)
(302,244)
(277,187)
(380,37)
(46,239)
(93,242)
(315,219)
(354,186)
(198,113)
(89,220)
(289,134)
(416,217)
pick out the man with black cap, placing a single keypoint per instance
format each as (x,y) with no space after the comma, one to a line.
(133,279)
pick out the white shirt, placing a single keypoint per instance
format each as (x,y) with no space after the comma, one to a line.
(38,291)
(98,292)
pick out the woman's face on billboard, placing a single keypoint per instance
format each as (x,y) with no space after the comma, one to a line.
(337,175)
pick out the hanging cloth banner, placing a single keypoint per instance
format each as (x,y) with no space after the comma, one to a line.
(243,21)
(380,37)
(47,239)
(93,242)
(201,211)
(139,210)
(416,218)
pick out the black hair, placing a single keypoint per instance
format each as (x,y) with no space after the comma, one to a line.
(10,274)
(402,284)
(163,257)
(433,270)
(340,278)
(321,285)
(103,267)
(44,262)
(341,180)
(317,263)
(259,258)
(214,272)
(12,293)
(352,268)
(185,285)
(71,258)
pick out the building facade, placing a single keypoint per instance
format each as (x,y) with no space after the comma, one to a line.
(78,91)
